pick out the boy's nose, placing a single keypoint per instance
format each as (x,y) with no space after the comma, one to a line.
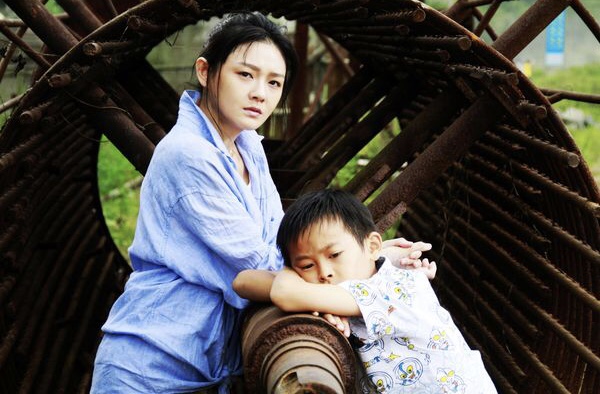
(325,274)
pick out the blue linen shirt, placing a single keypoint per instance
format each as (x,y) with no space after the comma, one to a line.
(199,224)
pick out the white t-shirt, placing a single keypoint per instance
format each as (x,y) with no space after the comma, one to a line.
(411,344)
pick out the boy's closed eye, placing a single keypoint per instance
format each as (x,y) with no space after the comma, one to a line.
(305,267)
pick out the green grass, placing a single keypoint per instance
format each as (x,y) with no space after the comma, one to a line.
(120,197)
(583,79)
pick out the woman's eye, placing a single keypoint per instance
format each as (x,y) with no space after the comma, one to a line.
(306,267)
(335,255)
(276,83)
(245,74)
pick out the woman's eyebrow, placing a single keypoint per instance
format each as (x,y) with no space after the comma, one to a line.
(256,68)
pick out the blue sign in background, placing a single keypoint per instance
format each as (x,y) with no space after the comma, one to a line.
(555,39)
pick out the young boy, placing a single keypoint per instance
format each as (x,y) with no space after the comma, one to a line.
(409,343)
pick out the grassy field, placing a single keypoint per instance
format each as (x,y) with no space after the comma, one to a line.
(585,79)
(118,178)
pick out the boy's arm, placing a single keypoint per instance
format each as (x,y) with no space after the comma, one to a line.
(254,285)
(292,294)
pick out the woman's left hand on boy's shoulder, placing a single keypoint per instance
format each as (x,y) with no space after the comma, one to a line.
(403,253)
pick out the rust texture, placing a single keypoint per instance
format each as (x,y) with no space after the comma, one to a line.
(482,167)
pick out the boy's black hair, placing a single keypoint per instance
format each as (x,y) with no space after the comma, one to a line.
(245,28)
(314,207)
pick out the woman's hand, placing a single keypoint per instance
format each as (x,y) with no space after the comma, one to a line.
(403,253)
(429,268)
(339,322)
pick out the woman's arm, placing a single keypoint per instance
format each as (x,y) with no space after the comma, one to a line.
(292,294)
(254,285)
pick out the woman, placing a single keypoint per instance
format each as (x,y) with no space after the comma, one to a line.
(208,210)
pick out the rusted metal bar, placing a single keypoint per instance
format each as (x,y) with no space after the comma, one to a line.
(574,343)
(104,48)
(477,14)
(335,104)
(519,272)
(353,110)
(476,3)
(438,156)
(152,130)
(9,52)
(461,43)
(143,25)
(79,11)
(518,248)
(519,228)
(34,114)
(164,111)
(528,26)
(541,180)
(19,42)
(393,53)
(489,14)
(60,80)
(99,280)
(52,337)
(534,110)
(586,17)
(368,30)
(521,136)
(393,19)
(44,24)
(337,56)
(399,150)
(544,223)
(320,175)
(298,351)
(357,13)
(11,103)
(9,159)
(17,300)
(298,93)
(47,306)
(516,344)
(109,5)
(555,96)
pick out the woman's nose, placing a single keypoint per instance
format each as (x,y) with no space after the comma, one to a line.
(258,91)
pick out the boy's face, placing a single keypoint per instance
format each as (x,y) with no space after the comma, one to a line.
(328,253)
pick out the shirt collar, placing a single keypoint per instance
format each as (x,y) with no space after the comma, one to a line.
(196,118)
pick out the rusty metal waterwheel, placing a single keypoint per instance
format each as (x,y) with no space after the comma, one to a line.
(483,168)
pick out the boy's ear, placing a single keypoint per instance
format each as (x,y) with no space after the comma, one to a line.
(202,71)
(374,244)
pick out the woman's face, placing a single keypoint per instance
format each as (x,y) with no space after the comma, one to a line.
(250,84)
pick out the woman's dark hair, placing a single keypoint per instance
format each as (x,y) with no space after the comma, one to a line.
(327,204)
(243,28)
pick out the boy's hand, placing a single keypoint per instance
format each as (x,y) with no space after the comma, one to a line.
(339,322)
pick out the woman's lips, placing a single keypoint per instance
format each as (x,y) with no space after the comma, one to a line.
(253,111)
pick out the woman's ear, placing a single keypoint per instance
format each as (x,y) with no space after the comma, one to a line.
(202,71)
(374,244)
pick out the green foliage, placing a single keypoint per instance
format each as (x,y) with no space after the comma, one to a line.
(117,182)
(53,7)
